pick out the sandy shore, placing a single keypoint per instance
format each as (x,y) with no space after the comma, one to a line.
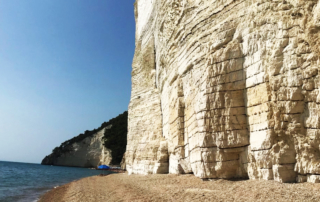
(122,187)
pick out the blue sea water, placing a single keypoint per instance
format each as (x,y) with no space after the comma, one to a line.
(26,182)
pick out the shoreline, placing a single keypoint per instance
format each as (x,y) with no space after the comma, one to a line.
(28,182)
(54,194)
(170,187)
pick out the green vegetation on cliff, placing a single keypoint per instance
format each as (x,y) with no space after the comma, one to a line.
(115,139)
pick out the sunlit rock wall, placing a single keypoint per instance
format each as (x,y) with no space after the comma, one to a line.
(89,152)
(226,89)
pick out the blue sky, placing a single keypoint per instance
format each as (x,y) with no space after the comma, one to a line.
(64,68)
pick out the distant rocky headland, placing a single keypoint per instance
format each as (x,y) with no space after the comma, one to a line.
(104,145)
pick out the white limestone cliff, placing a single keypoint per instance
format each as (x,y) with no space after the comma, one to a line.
(226,89)
(88,153)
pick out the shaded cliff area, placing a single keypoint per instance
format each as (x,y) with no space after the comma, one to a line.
(115,138)
(104,145)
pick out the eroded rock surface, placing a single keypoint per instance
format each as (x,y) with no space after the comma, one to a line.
(88,153)
(226,89)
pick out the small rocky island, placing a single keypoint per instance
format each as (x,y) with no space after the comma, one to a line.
(104,145)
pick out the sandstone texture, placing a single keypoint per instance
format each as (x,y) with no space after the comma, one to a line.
(226,89)
(89,152)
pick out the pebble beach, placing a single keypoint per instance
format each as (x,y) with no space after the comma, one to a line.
(124,187)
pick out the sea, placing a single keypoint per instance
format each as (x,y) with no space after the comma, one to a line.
(26,182)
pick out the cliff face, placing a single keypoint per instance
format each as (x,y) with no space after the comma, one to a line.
(88,152)
(104,145)
(226,89)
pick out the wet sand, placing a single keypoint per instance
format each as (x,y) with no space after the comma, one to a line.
(122,187)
